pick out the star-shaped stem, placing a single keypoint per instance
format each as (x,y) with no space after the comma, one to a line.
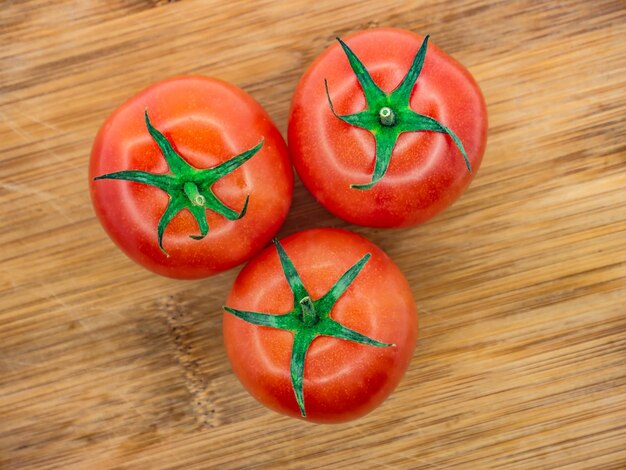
(188,187)
(308,319)
(389,114)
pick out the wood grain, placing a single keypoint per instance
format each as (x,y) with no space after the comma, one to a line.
(521,285)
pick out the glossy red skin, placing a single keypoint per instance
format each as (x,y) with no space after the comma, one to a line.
(208,121)
(342,380)
(427,172)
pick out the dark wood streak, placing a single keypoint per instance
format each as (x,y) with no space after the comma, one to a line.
(179,329)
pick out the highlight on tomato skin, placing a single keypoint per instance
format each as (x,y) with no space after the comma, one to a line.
(190,177)
(321,326)
(385,129)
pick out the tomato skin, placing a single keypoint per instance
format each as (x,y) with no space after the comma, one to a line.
(343,380)
(208,121)
(426,173)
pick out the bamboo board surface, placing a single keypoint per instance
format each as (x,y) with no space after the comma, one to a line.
(521,285)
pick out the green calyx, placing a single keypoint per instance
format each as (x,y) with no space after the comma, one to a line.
(308,319)
(389,114)
(188,187)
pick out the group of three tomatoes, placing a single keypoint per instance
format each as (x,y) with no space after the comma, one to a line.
(191,178)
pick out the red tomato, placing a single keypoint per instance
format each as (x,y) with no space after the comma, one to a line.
(161,220)
(367,163)
(322,326)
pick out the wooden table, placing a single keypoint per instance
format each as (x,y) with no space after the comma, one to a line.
(521,285)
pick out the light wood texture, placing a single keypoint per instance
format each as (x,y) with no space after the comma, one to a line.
(521,285)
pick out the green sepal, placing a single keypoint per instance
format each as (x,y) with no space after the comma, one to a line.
(199,214)
(301,342)
(210,176)
(385,142)
(332,328)
(164,182)
(373,94)
(365,119)
(214,204)
(404,119)
(305,329)
(282,322)
(329,299)
(176,163)
(292,275)
(402,94)
(176,204)
(411,121)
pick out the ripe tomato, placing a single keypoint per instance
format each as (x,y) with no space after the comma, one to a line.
(321,326)
(173,151)
(393,148)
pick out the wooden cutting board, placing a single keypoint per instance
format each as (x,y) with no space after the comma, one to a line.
(521,285)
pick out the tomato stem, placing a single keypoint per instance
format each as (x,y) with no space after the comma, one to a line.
(309,316)
(386,116)
(192,192)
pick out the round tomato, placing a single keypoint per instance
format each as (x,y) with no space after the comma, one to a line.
(386,130)
(190,177)
(320,326)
